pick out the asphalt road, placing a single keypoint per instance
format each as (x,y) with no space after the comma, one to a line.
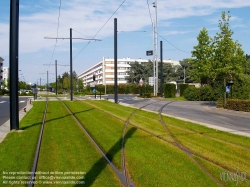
(201,112)
(5,108)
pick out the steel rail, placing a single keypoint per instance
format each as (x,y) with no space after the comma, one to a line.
(121,177)
(33,173)
(184,149)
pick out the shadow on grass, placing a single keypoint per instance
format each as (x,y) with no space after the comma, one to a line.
(97,168)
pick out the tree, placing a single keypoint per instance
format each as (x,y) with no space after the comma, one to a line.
(202,61)
(219,60)
(138,71)
(186,66)
(228,56)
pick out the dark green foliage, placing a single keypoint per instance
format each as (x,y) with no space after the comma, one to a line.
(134,88)
(238,105)
(2,91)
(192,94)
(147,95)
(183,87)
(204,93)
(169,90)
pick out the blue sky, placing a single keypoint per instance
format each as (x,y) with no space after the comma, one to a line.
(179,22)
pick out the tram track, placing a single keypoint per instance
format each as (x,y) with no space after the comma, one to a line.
(123,175)
(175,143)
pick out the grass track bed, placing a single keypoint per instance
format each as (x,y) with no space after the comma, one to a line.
(65,148)
(117,110)
(105,129)
(152,162)
(17,151)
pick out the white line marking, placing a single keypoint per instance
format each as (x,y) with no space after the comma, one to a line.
(2,101)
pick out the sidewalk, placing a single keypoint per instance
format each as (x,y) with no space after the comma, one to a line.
(5,128)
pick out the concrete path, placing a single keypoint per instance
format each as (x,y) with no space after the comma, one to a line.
(5,128)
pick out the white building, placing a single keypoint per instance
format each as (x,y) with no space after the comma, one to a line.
(104,71)
(6,74)
(1,71)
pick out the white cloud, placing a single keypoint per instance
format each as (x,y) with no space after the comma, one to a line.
(87,17)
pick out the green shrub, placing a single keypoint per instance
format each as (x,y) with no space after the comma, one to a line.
(183,87)
(169,90)
(219,103)
(238,105)
(2,91)
(134,88)
(192,94)
(204,93)
(147,95)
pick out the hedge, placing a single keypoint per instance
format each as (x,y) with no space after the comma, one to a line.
(238,105)
(183,87)
(169,90)
(204,93)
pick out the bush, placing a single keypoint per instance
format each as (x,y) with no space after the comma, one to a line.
(192,94)
(2,91)
(204,93)
(169,90)
(238,105)
(183,87)
(147,95)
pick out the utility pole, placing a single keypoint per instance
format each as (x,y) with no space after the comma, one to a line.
(115,59)
(161,68)
(13,64)
(71,82)
(71,60)
(47,80)
(155,61)
(55,71)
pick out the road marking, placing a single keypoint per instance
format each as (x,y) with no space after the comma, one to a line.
(21,101)
(2,101)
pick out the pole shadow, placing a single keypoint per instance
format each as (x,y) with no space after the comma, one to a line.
(101,164)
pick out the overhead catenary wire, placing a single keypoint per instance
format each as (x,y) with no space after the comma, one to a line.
(58,24)
(100,28)
(162,36)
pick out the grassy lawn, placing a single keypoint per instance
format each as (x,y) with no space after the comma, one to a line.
(65,148)
(150,160)
(225,149)
(17,151)
(176,99)
(106,130)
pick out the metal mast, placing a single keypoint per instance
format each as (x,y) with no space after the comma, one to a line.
(155,34)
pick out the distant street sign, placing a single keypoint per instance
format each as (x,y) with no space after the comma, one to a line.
(141,82)
(151,81)
(149,53)
(94,90)
(92,84)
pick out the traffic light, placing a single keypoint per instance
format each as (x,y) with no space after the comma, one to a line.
(94,77)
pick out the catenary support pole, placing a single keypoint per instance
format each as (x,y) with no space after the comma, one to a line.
(13,64)
(115,60)
(71,82)
(56,75)
(161,51)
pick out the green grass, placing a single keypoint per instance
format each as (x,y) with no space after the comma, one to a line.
(149,160)
(106,130)
(222,148)
(115,109)
(177,99)
(18,148)
(152,162)
(65,148)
